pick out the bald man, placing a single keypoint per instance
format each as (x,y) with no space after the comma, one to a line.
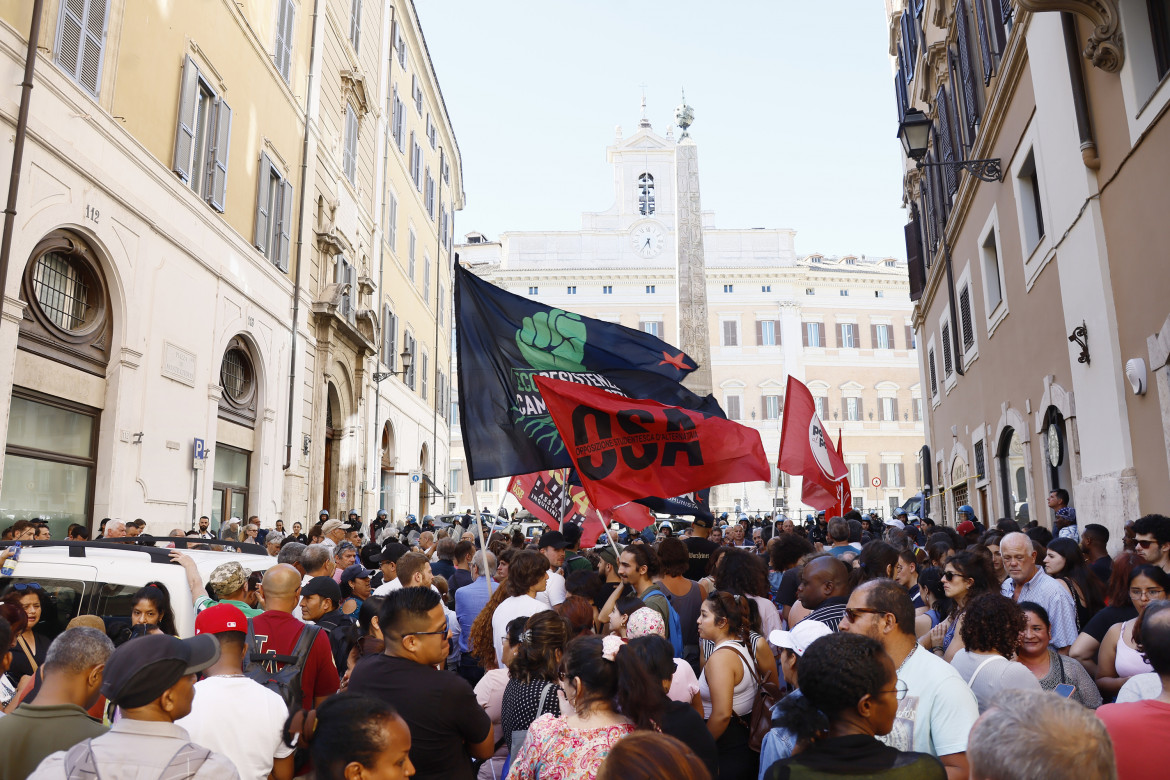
(277,631)
(824,588)
(1028,582)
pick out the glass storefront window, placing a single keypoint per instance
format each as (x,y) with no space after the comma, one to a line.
(49,428)
(231,466)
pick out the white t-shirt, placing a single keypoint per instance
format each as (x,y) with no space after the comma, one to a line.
(1147,685)
(998,674)
(510,609)
(554,592)
(939,709)
(240,719)
(387,588)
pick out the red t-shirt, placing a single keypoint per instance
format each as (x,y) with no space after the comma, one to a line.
(278,632)
(1131,727)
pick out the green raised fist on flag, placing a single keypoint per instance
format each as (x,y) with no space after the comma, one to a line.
(553,340)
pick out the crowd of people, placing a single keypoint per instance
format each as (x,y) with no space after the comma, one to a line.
(738,648)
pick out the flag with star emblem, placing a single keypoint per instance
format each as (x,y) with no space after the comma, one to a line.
(504,341)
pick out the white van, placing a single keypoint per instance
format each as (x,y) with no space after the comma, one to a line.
(99,578)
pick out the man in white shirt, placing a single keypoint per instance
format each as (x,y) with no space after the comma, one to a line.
(226,696)
(552,545)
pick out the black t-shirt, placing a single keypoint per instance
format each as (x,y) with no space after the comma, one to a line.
(699,550)
(1099,625)
(439,707)
(1103,568)
(789,582)
(680,721)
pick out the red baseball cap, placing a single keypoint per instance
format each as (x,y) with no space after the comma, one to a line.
(221,618)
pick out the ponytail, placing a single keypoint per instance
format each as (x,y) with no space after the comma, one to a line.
(736,610)
(639,696)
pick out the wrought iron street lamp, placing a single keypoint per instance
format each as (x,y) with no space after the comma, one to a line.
(914,133)
(405,358)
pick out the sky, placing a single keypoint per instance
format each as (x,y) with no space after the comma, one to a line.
(794,110)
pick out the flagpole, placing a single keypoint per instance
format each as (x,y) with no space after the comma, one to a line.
(487,575)
(564,495)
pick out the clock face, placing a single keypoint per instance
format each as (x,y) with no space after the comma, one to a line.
(1054,453)
(647,240)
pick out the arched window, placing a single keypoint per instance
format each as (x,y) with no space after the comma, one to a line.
(1013,486)
(1056,453)
(646,194)
(237,377)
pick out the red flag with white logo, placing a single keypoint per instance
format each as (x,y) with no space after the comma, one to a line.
(806,450)
(626,449)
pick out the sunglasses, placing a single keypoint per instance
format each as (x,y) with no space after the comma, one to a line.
(853,614)
(1144,543)
(950,575)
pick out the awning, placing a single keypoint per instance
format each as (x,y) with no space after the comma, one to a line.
(434,488)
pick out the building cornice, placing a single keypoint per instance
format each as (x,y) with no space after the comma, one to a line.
(1105,47)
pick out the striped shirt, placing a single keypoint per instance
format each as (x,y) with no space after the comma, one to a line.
(831,611)
(1055,598)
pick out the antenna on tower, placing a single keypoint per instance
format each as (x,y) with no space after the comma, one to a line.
(643,122)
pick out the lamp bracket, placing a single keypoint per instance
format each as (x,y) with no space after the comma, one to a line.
(984,170)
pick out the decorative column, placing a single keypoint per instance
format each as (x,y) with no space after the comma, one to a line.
(694,336)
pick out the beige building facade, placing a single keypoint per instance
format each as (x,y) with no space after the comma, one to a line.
(1038,296)
(839,324)
(192,178)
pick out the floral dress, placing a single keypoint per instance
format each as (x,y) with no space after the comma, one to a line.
(554,751)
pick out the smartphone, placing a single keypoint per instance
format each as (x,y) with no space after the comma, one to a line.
(1066,690)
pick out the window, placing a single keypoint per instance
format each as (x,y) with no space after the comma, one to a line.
(416,166)
(427,278)
(895,475)
(274,200)
(607,289)
(948,364)
(429,194)
(911,338)
(456,479)
(734,402)
(65,290)
(883,336)
(933,373)
(442,305)
(847,335)
(767,333)
(809,291)
(454,407)
(355,23)
(81,40)
(852,409)
(398,122)
(412,245)
(891,263)
(728,288)
(889,409)
(730,333)
(391,227)
(980,461)
(879,293)
(282,50)
(1032,212)
(918,402)
(653,327)
(816,259)
(965,323)
(850,261)
(349,150)
(771,407)
(822,404)
(649,289)
(646,194)
(570,290)
(765,288)
(424,376)
(411,346)
(814,334)
(416,94)
(992,283)
(843,293)
(203,137)
(858,475)
(431,132)
(401,50)
(345,274)
(389,337)
(1160,32)
(446,171)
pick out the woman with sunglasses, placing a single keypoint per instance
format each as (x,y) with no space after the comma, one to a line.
(966,575)
(611,694)
(30,645)
(1120,658)
(850,697)
(991,630)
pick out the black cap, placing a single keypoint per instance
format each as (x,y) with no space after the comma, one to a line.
(572,534)
(702,521)
(390,553)
(143,669)
(552,539)
(322,586)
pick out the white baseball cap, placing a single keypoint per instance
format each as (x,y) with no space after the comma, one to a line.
(801,636)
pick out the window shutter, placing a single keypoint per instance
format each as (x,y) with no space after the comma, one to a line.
(804,332)
(185,134)
(914,266)
(873,337)
(278,58)
(966,74)
(945,137)
(864,474)
(928,209)
(355,24)
(933,374)
(844,408)
(821,337)
(341,277)
(391,339)
(69,36)
(860,409)
(89,71)
(965,318)
(219,155)
(285,225)
(393,38)
(948,365)
(984,41)
(264,181)
(759,333)
(895,405)
(909,337)
(840,336)
(284,38)
(900,93)
(776,332)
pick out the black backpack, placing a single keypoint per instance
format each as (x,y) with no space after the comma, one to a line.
(286,682)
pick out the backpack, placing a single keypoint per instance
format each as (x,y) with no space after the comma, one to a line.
(675,628)
(286,682)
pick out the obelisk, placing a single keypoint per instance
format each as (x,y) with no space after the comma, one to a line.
(694,335)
